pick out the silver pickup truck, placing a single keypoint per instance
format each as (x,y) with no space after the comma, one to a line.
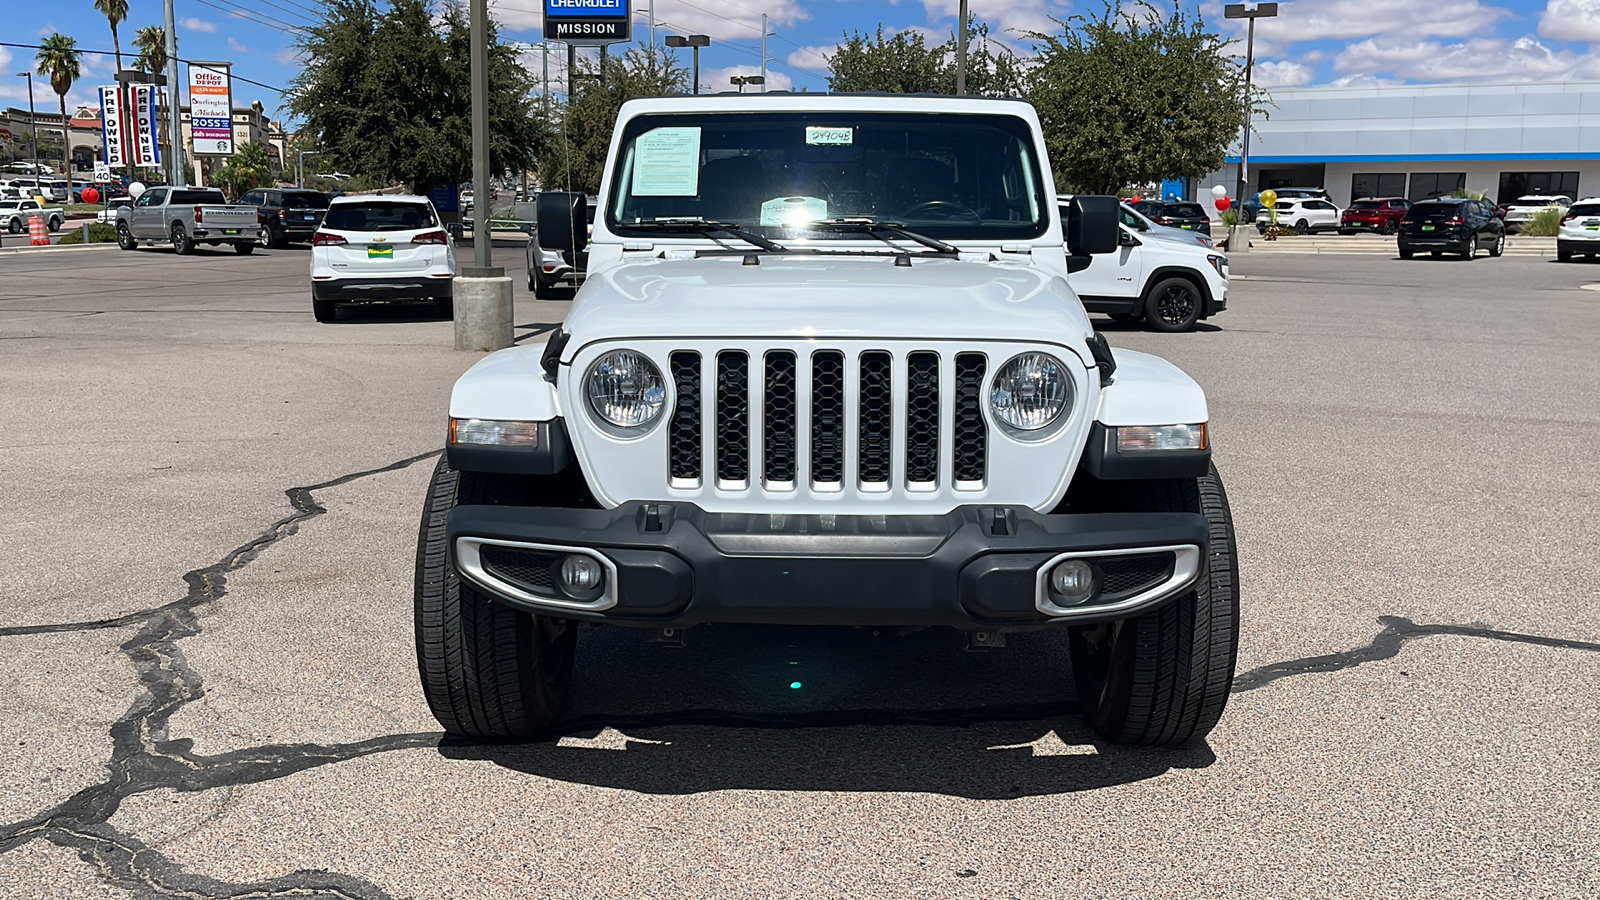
(14,215)
(186,217)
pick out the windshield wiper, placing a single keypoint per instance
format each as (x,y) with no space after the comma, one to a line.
(695,224)
(878,228)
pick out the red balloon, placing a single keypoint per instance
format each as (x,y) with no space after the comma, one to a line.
(1132,200)
(1223,203)
(90,195)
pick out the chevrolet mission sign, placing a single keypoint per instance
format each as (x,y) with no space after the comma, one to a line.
(587,21)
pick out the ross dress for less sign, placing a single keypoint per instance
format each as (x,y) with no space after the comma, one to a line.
(211,109)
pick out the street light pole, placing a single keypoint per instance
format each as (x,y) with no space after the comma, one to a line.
(33,128)
(300,179)
(696,41)
(763,81)
(480,137)
(961,53)
(1250,12)
(174,102)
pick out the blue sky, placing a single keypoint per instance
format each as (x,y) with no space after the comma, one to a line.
(1312,42)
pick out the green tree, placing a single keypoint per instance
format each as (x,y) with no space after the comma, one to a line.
(61,61)
(246,170)
(116,11)
(572,154)
(151,42)
(387,94)
(906,64)
(1129,98)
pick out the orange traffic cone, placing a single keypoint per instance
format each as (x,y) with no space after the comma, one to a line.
(37,231)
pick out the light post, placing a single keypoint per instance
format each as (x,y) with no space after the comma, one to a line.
(742,80)
(1251,12)
(300,169)
(33,129)
(696,41)
(481,303)
(961,53)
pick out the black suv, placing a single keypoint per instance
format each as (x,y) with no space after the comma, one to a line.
(1454,225)
(287,214)
(1176,214)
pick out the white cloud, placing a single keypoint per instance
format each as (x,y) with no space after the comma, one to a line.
(1479,59)
(1364,81)
(288,56)
(812,57)
(237,47)
(193,24)
(1003,16)
(1394,20)
(1571,20)
(1283,74)
(714,80)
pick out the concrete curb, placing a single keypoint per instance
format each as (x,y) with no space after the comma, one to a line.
(56,248)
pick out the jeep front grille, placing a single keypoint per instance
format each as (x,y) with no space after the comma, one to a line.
(894,402)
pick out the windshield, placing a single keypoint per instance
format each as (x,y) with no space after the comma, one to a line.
(944,175)
(1188,210)
(377,215)
(1366,204)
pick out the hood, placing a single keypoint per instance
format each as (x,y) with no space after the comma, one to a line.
(826,297)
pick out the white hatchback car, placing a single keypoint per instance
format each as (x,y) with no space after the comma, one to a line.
(381,248)
(1520,210)
(1303,215)
(1580,231)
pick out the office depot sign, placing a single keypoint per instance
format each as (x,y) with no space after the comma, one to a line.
(211,108)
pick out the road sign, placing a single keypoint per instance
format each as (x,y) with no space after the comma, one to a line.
(102,173)
(211,108)
(587,23)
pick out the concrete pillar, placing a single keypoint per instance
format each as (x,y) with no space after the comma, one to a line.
(1239,239)
(483,312)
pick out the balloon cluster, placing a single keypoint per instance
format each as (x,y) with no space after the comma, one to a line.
(1220,194)
(90,195)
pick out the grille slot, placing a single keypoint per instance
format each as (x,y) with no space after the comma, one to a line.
(683,432)
(877,418)
(1131,574)
(778,420)
(922,418)
(970,438)
(733,418)
(527,569)
(827,417)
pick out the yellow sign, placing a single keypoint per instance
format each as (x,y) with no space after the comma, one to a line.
(380,253)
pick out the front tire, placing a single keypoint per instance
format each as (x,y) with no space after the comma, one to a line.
(54,224)
(125,237)
(1302,227)
(1162,678)
(1173,304)
(487,670)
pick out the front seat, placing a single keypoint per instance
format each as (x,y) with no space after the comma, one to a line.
(732,189)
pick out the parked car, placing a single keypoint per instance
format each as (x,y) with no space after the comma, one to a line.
(1304,216)
(1166,281)
(381,248)
(1580,231)
(108,215)
(1451,225)
(1176,214)
(1141,223)
(287,214)
(14,215)
(548,268)
(1520,210)
(186,218)
(1252,207)
(1380,214)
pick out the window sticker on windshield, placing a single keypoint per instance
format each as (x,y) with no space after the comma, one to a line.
(667,162)
(793,212)
(818,134)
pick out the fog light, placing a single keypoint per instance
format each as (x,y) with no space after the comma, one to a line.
(1072,581)
(581,576)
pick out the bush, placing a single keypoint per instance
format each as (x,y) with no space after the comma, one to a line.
(99,233)
(1545,222)
(1230,217)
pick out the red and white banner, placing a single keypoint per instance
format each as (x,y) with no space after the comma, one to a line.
(111,125)
(146,149)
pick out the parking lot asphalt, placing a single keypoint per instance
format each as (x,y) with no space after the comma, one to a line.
(205,584)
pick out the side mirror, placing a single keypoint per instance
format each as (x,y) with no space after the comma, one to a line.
(1125,239)
(1093,225)
(559,218)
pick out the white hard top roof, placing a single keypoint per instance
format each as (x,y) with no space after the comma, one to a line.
(780,101)
(364,198)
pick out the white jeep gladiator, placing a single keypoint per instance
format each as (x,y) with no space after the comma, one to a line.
(827,369)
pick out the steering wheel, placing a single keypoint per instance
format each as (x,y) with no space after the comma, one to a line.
(943,209)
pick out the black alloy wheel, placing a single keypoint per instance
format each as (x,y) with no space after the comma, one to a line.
(1302,227)
(1387,227)
(1173,305)
(125,237)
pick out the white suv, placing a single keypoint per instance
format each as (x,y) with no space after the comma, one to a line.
(1169,282)
(1580,230)
(381,248)
(1520,210)
(1303,215)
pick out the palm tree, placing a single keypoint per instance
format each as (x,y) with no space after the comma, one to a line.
(151,42)
(59,59)
(116,11)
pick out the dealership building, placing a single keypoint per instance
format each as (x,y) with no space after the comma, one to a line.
(1421,141)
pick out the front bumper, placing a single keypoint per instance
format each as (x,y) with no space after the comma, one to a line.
(975,568)
(358,290)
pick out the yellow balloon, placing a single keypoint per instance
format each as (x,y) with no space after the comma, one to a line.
(1269,198)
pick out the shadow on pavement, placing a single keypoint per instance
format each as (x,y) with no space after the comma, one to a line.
(816,709)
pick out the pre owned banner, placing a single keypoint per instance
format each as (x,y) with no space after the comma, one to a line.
(211,109)
(146,149)
(111,125)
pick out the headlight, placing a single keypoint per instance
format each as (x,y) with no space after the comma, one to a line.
(625,389)
(1030,391)
(1220,263)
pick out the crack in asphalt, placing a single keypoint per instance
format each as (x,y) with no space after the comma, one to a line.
(144,759)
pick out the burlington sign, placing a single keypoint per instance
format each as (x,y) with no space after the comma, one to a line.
(587,22)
